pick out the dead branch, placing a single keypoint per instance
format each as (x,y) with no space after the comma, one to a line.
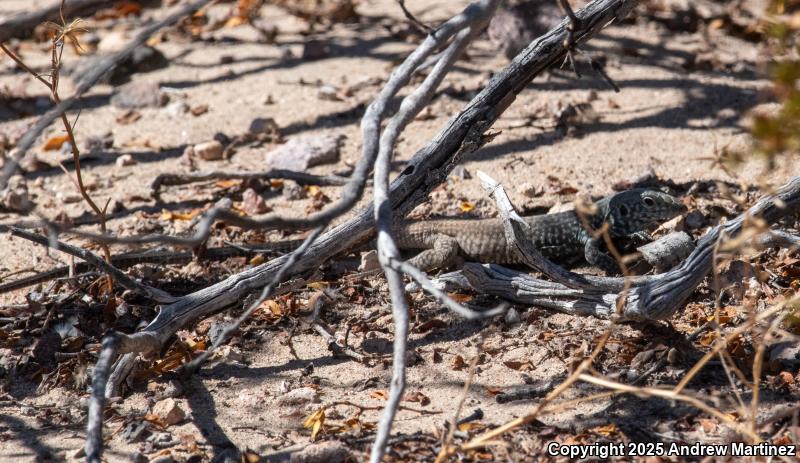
(91,258)
(651,298)
(301,178)
(24,22)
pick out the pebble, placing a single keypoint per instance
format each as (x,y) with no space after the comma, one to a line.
(512,317)
(209,151)
(125,160)
(299,396)
(293,192)
(263,125)
(15,196)
(302,152)
(176,109)
(139,95)
(694,220)
(99,143)
(169,411)
(253,203)
(369,261)
(328,93)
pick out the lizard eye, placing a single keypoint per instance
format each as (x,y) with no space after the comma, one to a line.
(649,202)
(623,210)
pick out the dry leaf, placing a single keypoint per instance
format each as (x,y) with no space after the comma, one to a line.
(54,143)
(172,216)
(466,206)
(225,184)
(315,422)
(606,430)
(470,426)
(276,183)
(458,363)
(460,298)
(418,397)
(257,260)
(380,395)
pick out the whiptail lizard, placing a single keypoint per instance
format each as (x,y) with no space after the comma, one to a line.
(559,235)
(445,242)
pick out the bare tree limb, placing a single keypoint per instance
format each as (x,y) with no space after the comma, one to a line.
(91,258)
(301,178)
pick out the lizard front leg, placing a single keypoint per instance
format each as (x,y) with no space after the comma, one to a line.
(442,253)
(595,256)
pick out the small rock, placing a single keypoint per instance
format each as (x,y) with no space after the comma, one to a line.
(461,173)
(323,452)
(300,153)
(209,151)
(512,317)
(263,125)
(530,191)
(226,59)
(316,49)
(299,396)
(15,196)
(98,144)
(328,93)
(176,108)
(125,160)
(187,158)
(293,192)
(139,95)
(68,198)
(169,412)
(369,261)
(253,202)
(784,356)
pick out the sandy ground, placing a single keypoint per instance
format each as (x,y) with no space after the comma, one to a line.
(668,119)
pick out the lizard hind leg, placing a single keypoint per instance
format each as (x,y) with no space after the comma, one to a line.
(442,253)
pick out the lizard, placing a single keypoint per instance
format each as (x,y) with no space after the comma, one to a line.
(443,242)
(630,213)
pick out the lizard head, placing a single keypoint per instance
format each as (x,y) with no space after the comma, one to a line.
(637,210)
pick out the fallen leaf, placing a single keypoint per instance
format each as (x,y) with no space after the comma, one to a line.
(517,365)
(458,363)
(225,184)
(606,430)
(460,298)
(380,395)
(54,143)
(417,397)
(257,260)
(466,206)
(315,422)
(172,216)
(470,426)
